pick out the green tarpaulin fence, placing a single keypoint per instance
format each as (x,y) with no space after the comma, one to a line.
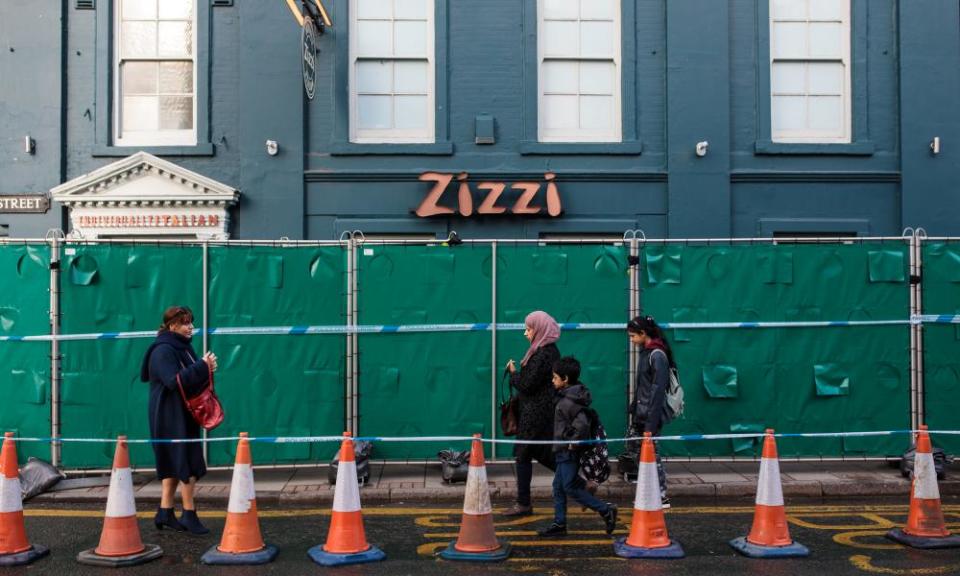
(433,384)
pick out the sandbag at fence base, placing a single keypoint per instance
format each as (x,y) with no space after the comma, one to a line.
(794,550)
(498,555)
(624,550)
(318,555)
(215,557)
(27,556)
(898,535)
(150,552)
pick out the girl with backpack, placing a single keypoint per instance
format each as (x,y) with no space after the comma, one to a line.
(654,363)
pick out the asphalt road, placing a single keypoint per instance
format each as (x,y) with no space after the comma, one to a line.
(845,538)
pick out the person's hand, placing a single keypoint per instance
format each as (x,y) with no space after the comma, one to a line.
(211,359)
(511,367)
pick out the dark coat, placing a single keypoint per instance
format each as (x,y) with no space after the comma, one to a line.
(536,394)
(570,421)
(171,355)
(650,391)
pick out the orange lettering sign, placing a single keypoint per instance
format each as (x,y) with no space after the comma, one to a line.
(524,205)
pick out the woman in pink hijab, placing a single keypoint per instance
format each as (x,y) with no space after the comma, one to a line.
(535,392)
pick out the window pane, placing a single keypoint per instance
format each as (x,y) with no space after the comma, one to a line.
(561,9)
(382,9)
(139,78)
(176,39)
(176,9)
(139,113)
(826,40)
(560,112)
(176,112)
(138,39)
(788,78)
(411,112)
(374,38)
(138,10)
(596,39)
(176,77)
(598,9)
(826,114)
(826,78)
(827,9)
(560,39)
(596,112)
(559,77)
(789,114)
(411,38)
(373,112)
(789,8)
(597,78)
(373,76)
(789,40)
(411,78)
(411,9)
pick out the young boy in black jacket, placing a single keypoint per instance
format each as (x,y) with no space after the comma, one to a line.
(571,424)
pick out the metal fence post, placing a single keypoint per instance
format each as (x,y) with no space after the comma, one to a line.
(493,346)
(54,236)
(206,325)
(919,236)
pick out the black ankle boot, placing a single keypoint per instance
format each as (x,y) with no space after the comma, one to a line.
(191,523)
(165,518)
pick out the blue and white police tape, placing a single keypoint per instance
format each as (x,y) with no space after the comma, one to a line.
(339,438)
(484,327)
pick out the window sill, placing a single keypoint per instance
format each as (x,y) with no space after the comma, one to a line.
(770,148)
(203,149)
(392,149)
(629,148)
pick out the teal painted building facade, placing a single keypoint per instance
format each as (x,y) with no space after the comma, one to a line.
(688,72)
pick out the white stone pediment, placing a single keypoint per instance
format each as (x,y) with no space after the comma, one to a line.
(144,180)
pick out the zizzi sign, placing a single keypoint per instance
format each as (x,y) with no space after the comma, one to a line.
(527,204)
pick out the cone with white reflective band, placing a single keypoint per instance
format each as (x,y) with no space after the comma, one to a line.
(477,541)
(120,543)
(648,530)
(769,536)
(346,540)
(241,542)
(15,549)
(925,525)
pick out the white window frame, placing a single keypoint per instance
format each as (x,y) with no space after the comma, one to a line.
(814,136)
(158,137)
(394,135)
(578,134)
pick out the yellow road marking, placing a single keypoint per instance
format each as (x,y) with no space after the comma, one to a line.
(850,539)
(877,522)
(864,563)
(431,548)
(506,533)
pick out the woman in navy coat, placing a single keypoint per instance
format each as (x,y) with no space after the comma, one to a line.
(169,363)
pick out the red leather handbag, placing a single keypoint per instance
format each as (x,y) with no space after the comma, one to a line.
(205,407)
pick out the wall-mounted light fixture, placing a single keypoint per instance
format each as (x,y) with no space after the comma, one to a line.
(935,145)
(702,148)
(272,147)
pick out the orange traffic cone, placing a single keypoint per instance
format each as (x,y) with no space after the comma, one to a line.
(346,540)
(648,531)
(15,549)
(769,537)
(241,542)
(477,541)
(925,526)
(120,543)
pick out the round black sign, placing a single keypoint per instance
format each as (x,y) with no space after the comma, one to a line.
(309,43)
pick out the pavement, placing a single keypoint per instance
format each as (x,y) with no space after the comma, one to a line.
(693,482)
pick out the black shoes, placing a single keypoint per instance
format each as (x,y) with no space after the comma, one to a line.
(554,530)
(610,518)
(190,522)
(165,518)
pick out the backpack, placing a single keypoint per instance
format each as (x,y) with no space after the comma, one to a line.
(673,402)
(594,457)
